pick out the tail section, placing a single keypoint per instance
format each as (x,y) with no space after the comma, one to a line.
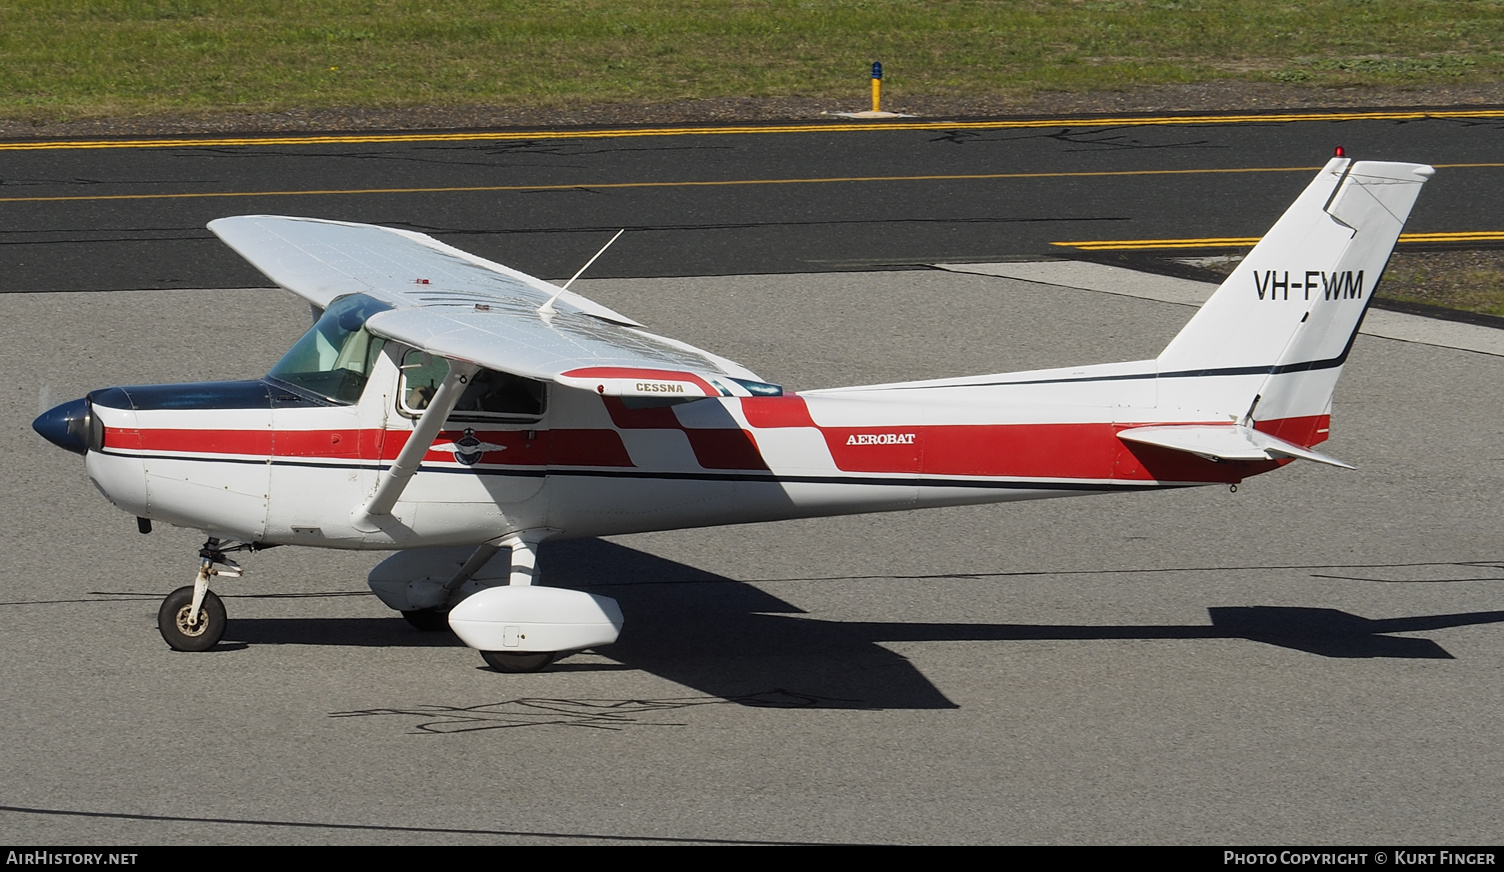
(1267,348)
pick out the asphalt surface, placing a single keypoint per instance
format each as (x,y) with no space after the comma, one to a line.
(1311,660)
(86,217)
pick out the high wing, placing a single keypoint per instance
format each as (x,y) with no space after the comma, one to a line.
(323,260)
(456,305)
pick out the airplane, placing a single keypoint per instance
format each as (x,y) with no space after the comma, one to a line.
(450,408)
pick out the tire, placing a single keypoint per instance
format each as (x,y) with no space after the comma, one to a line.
(172,621)
(427,620)
(528,661)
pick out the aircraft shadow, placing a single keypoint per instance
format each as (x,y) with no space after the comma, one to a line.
(392,632)
(734,641)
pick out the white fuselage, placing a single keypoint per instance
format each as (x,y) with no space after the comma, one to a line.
(258,462)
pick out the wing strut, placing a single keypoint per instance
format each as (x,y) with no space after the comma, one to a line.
(524,547)
(396,477)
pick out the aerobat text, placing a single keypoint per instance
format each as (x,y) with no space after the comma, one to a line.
(880,439)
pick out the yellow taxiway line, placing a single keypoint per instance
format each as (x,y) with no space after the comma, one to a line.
(717,130)
(1249,241)
(599,186)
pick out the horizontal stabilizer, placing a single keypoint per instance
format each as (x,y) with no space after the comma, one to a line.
(1222,442)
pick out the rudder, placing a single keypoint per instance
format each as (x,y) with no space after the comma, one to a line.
(1268,346)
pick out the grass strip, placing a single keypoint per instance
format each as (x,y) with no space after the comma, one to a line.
(67,59)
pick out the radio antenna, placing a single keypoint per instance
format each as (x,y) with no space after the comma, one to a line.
(549,306)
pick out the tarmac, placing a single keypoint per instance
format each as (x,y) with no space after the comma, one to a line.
(1313,659)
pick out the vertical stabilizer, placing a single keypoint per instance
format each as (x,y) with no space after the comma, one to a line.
(1270,343)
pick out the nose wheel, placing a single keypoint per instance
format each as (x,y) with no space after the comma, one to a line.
(183,630)
(192,618)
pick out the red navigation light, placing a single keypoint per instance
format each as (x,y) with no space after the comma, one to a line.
(1341,152)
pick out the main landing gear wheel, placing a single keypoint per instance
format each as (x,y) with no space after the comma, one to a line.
(427,620)
(514,662)
(183,635)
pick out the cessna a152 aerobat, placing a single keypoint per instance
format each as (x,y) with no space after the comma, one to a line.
(450,408)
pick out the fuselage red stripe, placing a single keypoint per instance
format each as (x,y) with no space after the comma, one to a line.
(509,447)
(1089,451)
(1305,431)
(784,411)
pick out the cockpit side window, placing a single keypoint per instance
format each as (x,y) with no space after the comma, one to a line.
(334,358)
(490,396)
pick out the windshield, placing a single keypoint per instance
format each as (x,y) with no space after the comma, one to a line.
(335,357)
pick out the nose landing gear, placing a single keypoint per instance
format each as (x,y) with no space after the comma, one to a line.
(192,618)
(188,629)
